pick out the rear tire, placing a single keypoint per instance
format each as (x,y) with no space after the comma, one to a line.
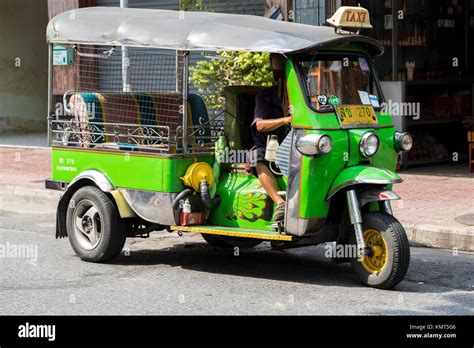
(389,263)
(94,228)
(219,241)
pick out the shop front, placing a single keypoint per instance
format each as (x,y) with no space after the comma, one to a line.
(427,74)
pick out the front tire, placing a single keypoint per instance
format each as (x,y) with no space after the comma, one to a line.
(93,225)
(390,257)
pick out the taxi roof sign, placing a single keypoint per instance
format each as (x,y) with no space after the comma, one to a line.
(350,18)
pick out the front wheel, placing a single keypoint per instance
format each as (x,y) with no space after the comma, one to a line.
(95,231)
(389,257)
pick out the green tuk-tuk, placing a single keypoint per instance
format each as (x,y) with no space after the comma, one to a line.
(135,149)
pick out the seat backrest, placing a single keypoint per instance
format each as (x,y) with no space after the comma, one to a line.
(239,113)
(197,114)
(147,109)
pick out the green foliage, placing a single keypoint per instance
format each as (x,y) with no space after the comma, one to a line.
(192,5)
(210,76)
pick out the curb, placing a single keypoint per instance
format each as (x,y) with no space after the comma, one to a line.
(440,237)
(33,192)
(420,235)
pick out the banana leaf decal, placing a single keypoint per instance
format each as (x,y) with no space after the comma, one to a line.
(254,206)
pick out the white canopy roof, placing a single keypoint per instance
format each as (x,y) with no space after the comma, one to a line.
(190,31)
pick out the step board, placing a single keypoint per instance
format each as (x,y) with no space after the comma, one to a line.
(234,232)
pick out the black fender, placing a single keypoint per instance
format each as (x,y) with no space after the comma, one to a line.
(366,194)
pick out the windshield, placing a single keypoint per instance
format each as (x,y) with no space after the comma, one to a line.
(338,80)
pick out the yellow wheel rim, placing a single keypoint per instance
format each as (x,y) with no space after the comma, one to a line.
(376,262)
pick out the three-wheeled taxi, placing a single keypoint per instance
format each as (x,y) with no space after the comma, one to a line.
(136,150)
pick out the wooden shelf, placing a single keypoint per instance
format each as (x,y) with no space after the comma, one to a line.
(438,82)
(417,46)
(462,157)
(434,121)
(429,161)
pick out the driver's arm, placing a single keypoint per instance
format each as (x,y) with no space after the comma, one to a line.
(269,125)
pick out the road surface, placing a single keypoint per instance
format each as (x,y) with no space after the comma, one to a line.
(168,274)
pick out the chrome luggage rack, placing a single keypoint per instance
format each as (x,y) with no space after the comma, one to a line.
(110,135)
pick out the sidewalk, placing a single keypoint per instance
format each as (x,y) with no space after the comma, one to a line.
(437,206)
(437,210)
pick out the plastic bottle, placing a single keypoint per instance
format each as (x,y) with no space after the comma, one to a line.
(272,147)
(186,206)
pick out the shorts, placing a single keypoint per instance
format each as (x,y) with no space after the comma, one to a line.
(259,155)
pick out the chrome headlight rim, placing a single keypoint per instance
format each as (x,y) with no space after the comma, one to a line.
(313,145)
(363,142)
(399,141)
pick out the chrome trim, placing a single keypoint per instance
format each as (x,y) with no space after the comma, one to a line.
(293,184)
(104,55)
(362,181)
(372,195)
(387,207)
(353,207)
(362,142)
(185,102)
(309,145)
(99,178)
(398,138)
(356,220)
(72,133)
(155,207)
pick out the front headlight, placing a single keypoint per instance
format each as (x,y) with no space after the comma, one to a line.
(314,144)
(403,141)
(369,144)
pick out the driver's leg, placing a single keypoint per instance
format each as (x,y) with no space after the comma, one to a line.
(268,181)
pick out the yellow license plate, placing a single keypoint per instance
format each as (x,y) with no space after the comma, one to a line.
(356,115)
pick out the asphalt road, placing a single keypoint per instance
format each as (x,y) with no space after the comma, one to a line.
(168,274)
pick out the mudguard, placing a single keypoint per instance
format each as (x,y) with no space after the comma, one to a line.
(87,177)
(362,175)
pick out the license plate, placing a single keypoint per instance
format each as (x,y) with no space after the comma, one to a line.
(356,115)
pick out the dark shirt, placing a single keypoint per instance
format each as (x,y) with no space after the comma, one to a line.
(267,106)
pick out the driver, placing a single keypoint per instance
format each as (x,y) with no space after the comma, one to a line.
(270,117)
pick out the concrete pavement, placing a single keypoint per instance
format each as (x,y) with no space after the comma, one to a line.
(431,208)
(171,275)
(168,274)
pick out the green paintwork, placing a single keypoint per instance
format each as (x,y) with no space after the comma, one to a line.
(124,169)
(318,173)
(304,116)
(362,172)
(244,202)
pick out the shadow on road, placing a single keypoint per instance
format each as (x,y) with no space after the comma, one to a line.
(299,266)
(304,265)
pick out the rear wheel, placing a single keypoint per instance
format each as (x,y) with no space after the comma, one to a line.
(389,257)
(219,241)
(95,231)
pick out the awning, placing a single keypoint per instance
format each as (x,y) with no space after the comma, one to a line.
(191,31)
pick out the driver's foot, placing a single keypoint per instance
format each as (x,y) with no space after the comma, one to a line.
(279,212)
